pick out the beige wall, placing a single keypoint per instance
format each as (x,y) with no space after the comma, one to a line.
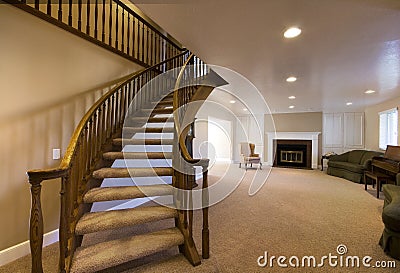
(295,122)
(48,78)
(372,122)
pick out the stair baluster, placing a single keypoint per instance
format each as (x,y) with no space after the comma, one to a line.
(110,19)
(103,22)
(80,15)
(70,13)
(88,17)
(123,32)
(116,26)
(142,38)
(96,18)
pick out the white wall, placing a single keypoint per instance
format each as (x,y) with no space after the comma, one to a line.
(250,128)
(232,130)
(220,138)
(223,128)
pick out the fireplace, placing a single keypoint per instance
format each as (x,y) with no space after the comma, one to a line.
(312,151)
(292,153)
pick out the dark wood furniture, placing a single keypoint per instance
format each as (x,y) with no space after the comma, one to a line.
(390,162)
(377,178)
(385,168)
(327,156)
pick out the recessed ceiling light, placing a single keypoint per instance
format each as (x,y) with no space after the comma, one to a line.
(349,103)
(369,91)
(232,101)
(291,79)
(244,109)
(291,106)
(292,32)
(292,97)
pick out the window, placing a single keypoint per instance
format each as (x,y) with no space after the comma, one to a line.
(388,122)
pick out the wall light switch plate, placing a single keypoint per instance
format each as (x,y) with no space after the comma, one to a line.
(56,154)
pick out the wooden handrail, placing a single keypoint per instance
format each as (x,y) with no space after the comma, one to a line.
(90,139)
(116,27)
(58,172)
(185,173)
(182,133)
(195,82)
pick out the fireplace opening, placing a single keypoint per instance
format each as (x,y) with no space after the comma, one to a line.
(292,153)
(292,156)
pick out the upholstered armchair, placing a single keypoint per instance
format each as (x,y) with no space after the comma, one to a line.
(247,155)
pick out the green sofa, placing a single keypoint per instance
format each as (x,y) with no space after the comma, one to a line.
(351,165)
(390,239)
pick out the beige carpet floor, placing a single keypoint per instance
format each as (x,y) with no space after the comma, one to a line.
(296,213)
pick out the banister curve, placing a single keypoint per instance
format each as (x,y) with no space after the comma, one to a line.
(182,133)
(181,139)
(65,164)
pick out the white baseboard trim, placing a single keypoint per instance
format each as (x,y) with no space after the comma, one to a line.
(15,252)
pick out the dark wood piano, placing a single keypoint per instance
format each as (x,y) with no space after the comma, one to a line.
(389,164)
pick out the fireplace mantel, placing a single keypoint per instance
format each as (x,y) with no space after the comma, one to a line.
(313,136)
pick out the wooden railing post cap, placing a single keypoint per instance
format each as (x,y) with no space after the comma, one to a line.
(37,176)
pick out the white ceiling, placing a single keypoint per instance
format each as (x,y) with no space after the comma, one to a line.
(346,47)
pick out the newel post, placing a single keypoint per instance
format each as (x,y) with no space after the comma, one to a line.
(205,232)
(36,225)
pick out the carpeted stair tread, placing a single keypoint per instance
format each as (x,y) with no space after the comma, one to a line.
(148,130)
(137,155)
(126,192)
(145,141)
(134,172)
(152,119)
(164,102)
(108,254)
(158,111)
(113,219)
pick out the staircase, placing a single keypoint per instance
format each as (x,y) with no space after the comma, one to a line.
(106,254)
(127,124)
(141,120)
